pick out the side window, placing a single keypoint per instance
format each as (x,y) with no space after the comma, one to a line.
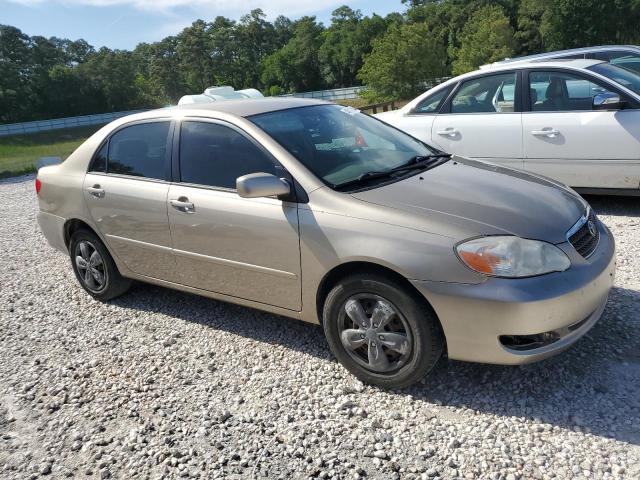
(99,163)
(432,103)
(139,150)
(561,92)
(494,93)
(214,155)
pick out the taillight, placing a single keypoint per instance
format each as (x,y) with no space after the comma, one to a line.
(38,185)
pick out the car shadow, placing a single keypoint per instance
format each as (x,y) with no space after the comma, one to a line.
(614,205)
(592,387)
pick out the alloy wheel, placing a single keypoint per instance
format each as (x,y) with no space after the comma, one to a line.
(90,265)
(375,333)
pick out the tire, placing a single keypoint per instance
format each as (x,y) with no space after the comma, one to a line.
(411,356)
(103,282)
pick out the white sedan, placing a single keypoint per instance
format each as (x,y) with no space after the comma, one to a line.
(577,121)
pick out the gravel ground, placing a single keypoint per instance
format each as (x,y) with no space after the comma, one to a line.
(165,384)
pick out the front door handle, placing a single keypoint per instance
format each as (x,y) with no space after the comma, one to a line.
(448,132)
(97,191)
(546,132)
(183,205)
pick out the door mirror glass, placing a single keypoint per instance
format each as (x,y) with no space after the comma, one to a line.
(607,101)
(256,185)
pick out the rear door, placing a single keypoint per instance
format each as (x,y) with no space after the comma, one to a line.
(126,192)
(243,247)
(482,120)
(565,139)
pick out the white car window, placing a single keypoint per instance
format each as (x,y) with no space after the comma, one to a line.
(432,103)
(492,93)
(554,91)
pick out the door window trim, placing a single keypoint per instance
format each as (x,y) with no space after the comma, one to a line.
(167,155)
(414,111)
(298,195)
(634,105)
(445,108)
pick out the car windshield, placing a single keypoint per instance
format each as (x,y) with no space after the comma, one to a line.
(340,144)
(624,77)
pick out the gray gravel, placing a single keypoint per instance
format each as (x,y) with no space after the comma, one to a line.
(165,384)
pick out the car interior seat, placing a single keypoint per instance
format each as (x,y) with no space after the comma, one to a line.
(556,96)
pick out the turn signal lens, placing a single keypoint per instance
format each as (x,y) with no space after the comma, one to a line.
(512,257)
(38,185)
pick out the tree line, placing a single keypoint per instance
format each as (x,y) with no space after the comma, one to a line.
(393,55)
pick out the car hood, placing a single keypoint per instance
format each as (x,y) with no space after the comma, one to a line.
(485,199)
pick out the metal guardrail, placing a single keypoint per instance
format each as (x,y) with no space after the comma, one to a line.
(61,123)
(103,118)
(348,93)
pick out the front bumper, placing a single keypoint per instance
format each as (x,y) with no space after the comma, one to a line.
(480,321)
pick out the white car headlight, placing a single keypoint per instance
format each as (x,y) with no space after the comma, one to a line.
(511,257)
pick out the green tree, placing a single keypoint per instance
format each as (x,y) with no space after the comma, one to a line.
(345,43)
(256,39)
(194,51)
(295,67)
(402,61)
(580,23)
(485,38)
(14,74)
(528,34)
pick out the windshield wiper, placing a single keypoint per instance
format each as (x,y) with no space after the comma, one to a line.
(419,162)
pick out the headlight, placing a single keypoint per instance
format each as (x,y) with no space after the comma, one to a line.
(512,257)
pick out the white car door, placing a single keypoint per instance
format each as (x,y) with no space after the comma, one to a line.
(417,121)
(565,139)
(482,121)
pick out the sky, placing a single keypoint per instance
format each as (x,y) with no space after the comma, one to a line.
(125,23)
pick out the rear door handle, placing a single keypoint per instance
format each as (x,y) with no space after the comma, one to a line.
(448,132)
(97,191)
(546,132)
(183,205)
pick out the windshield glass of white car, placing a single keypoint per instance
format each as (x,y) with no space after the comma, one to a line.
(340,144)
(624,77)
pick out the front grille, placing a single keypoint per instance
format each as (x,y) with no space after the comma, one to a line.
(585,239)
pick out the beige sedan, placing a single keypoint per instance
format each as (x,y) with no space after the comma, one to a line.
(324,214)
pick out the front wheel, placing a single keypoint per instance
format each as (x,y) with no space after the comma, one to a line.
(94,268)
(381,332)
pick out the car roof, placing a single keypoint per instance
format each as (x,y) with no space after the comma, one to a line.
(249,107)
(578,64)
(572,51)
(550,62)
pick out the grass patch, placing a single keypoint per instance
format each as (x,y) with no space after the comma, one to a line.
(18,153)
(361,102)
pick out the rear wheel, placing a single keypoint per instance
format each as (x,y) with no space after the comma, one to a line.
(381,332)
(94,267)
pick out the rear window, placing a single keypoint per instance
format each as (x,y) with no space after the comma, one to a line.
(139,150)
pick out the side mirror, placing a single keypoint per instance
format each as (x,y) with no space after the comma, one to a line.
(607,101)
(256,185)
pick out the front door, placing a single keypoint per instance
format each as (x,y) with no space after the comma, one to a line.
(246,248)
(126,194)
(482,121)
(566,140)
